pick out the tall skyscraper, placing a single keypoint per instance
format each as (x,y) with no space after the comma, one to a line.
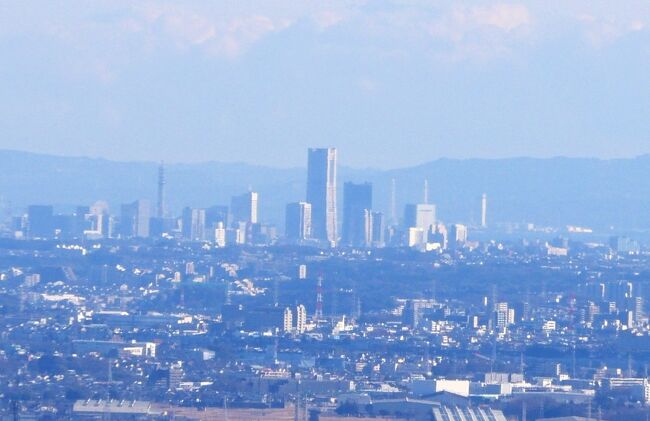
(215,215)
(393,203)
(160,209)
(244,207)
(422,216)
(484,211)
(193,221)
(425,198)
(81,222)
(321,193)
(357,202)
(457,236)
(134,219)
(504,315)
(439,236)
(40,220)
(100,220)
(220,235)
(298,223)
(377,229)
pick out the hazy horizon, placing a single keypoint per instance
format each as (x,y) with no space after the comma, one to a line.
(304,165)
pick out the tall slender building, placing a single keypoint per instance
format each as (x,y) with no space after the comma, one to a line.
(321,193)
(193,224)
(484,211)
(215,215)
(298,221)
(393,203)
(40,220)
(426,192)
(457,236)
(288,320)
(422,216)
(244,207)
(301,318)
(160,210)
(134,220)
(377,229)
(357,202)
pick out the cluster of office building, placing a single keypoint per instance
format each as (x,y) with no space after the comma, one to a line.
(313,221)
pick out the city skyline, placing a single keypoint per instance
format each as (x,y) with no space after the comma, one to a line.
(312,222)
(570,186)
(362,225)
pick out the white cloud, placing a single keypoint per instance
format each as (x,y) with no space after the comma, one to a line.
(506,17)
(597,24)
(600,31)
(117,31)
(450,31)
(206,28)
(328,18)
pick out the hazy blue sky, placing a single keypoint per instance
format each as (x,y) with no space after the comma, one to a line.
(391,83)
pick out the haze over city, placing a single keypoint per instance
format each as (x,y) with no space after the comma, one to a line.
(325,211)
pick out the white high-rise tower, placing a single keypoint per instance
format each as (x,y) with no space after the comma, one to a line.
(288,320)
(321,193)
(484,211)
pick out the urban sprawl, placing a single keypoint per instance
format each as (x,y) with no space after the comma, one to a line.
(213,314)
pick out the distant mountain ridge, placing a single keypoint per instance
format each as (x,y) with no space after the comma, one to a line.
(553,191)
